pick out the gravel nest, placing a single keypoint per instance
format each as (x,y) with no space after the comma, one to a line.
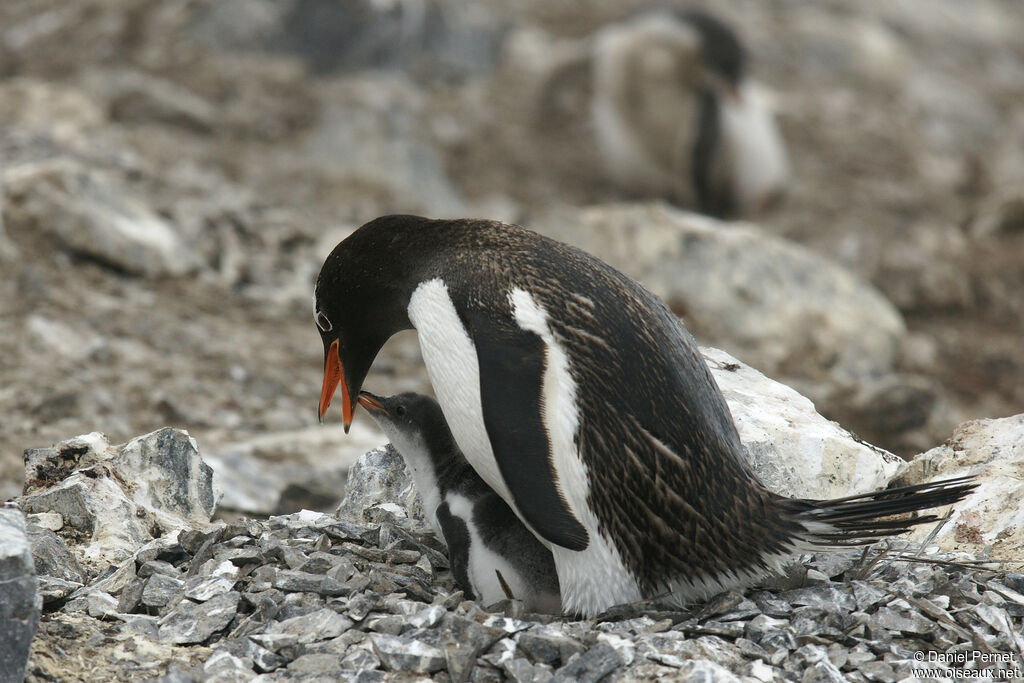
(309,596)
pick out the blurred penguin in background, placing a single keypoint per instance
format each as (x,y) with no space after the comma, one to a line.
(676,117)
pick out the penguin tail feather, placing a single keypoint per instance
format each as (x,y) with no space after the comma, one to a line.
(867,517)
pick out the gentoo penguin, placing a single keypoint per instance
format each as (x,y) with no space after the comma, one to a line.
(675,115)
(487,544)
(584,403)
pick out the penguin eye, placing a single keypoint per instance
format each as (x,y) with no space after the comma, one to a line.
(400,410)
(322,322)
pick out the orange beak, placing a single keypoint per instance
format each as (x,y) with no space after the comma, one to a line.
(334,375)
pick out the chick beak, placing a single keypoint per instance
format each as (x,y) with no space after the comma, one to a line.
(370,402)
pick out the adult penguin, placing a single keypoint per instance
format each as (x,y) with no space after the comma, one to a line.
(676,115)
(585,404)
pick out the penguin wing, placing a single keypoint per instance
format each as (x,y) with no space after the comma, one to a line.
(512,364)
(456,537)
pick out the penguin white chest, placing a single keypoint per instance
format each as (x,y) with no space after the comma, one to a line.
(454,371)
(592,579)
(483,563)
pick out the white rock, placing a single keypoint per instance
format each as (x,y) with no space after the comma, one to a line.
(777,305)
(991,518)
(794,450)
(92,503)
(73,343)
(252,473)
(169,477)
(379,478)
(91,215)
(625,648)
(101,605)
(120,496)
(210,588)
(48,520)
(705,670)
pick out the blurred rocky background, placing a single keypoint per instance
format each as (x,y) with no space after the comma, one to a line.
(174,173)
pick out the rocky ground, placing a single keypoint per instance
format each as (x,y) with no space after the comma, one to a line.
(366,594)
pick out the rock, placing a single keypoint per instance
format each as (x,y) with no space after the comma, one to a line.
(434,40)
(52,556)
(224,667)
(520,670)
(256,474)
(706,672)
(926,272)
(202,589)
(90,215)
(905,411)
(53,589)
(427,618)
(115,579)
(591,666)
(290,580)
(20,602)
(370,136)
(407,654)
(1000,215)
(317,667)
(911,623)
(778,306)
(857,47)
(160,590)
(319,625)
(137,97)
(101,605)
(170,477)
(360,659)
(72,342)
(623,646)
(409,627)
(45,467)
(49,521)
(793,449)
(239,24)
(379,477)
(95,508)
(191,622)
(825,597)
(463,641)
(40,107)
(990,520)
(120,497)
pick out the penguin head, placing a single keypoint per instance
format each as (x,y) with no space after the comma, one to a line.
(415,425)
(721,51)
(359,302)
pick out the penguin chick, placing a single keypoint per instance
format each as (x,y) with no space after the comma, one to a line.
(487,544)
(676,117)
